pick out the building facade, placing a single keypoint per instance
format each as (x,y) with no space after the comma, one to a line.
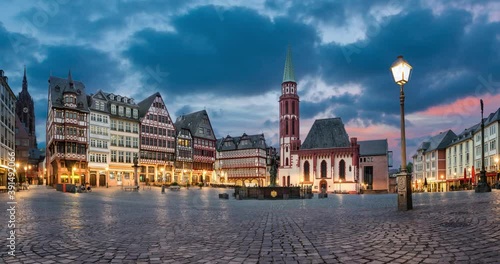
(67,131)
(184,154)
(99,134)
(459,159)
(203,140)
(124,139)
(157,146)
(374,165)
(430,162)
(7,126)
(243,160)
(491,146)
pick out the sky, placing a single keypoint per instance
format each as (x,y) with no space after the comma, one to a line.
(228,57)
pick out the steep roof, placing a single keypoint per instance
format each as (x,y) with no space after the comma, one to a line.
(198,123)
(465,135)
(57,86)
(439,141)
(326,133)
(373,147)
(145,104)
(492,117)
(243,142)
(288,73)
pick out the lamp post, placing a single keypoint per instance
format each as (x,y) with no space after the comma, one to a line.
(401,71)
(442,179)
(482,185)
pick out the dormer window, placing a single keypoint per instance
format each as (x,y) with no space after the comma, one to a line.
(58,89)
(118,98)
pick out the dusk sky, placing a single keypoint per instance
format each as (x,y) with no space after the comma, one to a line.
(228,57)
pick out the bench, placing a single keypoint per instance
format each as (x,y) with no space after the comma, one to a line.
(131,188)
(3,188)
(174,188)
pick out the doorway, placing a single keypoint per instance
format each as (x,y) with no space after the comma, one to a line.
(368,177)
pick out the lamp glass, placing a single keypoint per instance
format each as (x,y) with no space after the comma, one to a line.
(401,71)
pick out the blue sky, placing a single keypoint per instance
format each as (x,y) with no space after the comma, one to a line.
(227,57)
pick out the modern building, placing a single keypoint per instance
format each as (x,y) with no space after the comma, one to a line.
(202,133)
(243,160)
(25,111)
(157,146)
(328,160)
(99,133)
(67,131)
(7,126)
(491,148)
(430,162)
(374,165)
(459,159)
(124,139)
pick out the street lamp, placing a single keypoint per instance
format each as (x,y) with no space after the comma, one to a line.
(442,179)
(401,71)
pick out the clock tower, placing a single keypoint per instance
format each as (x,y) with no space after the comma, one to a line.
(25,110)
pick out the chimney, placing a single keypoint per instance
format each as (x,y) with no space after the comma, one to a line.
(354,141)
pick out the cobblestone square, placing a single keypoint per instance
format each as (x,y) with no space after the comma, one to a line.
(194,226)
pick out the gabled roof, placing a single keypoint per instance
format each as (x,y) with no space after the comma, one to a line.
(492,117)
(243,142)
(326,133)
(198,124)
(373,147)
(145,104)
(439,141)
(57,86)
(465,135)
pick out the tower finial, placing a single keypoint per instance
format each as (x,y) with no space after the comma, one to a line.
(70,79)
(289,74)
(25,80)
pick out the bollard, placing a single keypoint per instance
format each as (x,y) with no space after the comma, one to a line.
(163,188)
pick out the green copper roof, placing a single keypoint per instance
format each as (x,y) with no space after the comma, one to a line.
(288,74)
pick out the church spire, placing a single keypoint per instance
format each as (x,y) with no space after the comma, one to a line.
(289,74)
(25,80)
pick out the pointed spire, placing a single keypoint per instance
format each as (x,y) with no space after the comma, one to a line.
(289,74)
(25,80)
(70,79)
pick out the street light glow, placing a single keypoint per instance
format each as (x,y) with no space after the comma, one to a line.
(401,71)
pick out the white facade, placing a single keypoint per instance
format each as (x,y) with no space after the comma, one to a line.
(99,141)
(459,158)
(491,146)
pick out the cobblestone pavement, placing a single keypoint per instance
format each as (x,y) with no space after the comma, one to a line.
(194,226)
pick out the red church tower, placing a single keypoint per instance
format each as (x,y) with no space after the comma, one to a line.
(289,114)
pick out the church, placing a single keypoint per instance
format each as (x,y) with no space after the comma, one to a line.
(328,160)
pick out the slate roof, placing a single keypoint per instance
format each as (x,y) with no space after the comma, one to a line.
(326,133)
(373,147)
(492,117)
(59,86)
(145,104)
(439,141)
(465,135)
(194,122)
(243,142)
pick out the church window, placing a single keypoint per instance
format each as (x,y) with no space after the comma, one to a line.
(293,126)
(323,169)
(342,170)
(350,168)
(306,171)
(287,90)
(286,163)
(293,108)
(286,108)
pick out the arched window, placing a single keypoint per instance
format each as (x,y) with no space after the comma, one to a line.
(284,181)
(293,108)
(293,126)
(342,170)
(306,171)
(288,181)
(286,163)
(286,108)
(323,169)
(286,126)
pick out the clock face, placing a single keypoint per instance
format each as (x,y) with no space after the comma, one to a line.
(25,109)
